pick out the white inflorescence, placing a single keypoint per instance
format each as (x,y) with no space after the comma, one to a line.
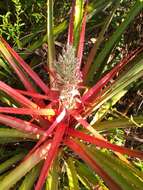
(68,77)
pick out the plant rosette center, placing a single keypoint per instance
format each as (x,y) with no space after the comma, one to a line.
(70,97)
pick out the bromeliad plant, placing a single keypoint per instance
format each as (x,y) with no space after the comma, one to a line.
(51,120)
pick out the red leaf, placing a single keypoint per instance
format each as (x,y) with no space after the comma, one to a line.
(105,144)
(86,157)
(20,74)
(71,25)
(17,96)
(51,155)
(20,124)
(93,92)
(27,111)
(82,38)
(26,67)
(85,124)
(35,95)
(49,131)
(35,158)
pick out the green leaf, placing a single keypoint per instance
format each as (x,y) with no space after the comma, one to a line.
(86,172)
(16,174)
(123,174)
(84,182)
(10,162)
(53,177)
(30,178)
(106,107)
(100,39)
(13,133)
(87,176)
(3,74)
(100,62)
(9,140)
(133,72)
(79,8)
(4,66)
(72,174)
(97,6)
(51,46)
(118,123)
(93,9)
